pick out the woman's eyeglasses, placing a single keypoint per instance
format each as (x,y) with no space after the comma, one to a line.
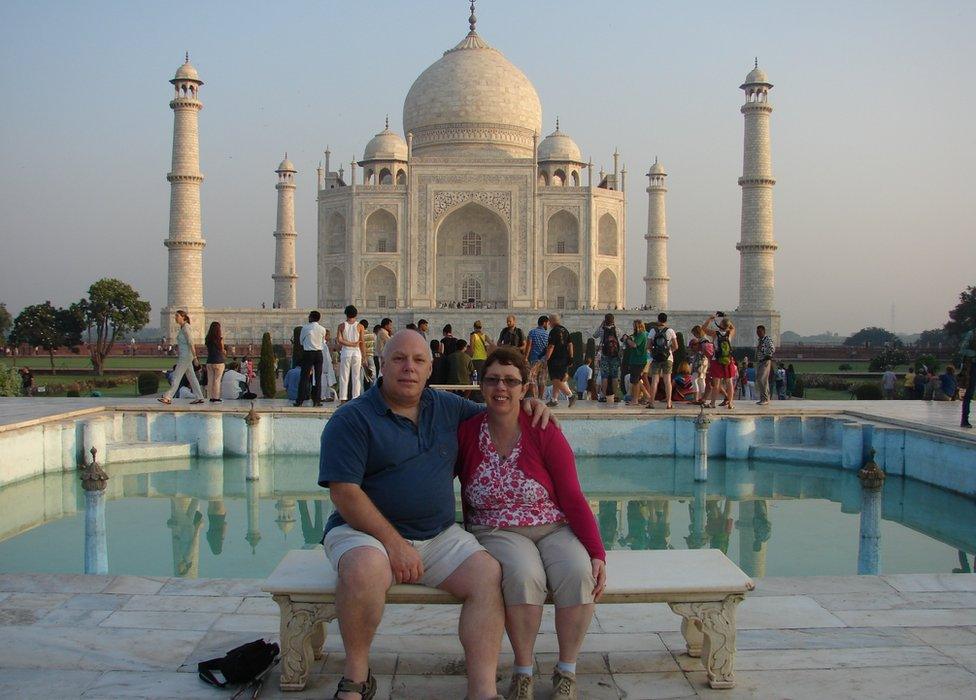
(510,382)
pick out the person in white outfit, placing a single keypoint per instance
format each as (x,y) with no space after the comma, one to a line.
(184,365)
(350,337)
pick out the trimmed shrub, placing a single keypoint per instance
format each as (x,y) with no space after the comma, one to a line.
(798,388)
(147,383)
(590,349)
(10,384)
(889,357)
(927,360)
(74,390)
(296,346)
(844,367)
(266,368)
(868,392)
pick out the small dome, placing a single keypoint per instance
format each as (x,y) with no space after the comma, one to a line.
(386,145)
(757,76)
(187,72)
(559,146)
(286,166)
(657,169)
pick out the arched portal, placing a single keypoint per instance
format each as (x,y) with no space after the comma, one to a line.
(606,290)
(562,233)
(336,229)
(381,232)
(335,288)
(607,236)
(562,289)
(380,288)
(386,177)
(472,245)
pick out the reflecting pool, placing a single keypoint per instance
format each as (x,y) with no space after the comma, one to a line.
(204,518)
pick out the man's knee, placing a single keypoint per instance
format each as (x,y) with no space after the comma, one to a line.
(364,568)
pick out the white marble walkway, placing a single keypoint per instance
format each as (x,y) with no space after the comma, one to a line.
(901,636)
(938,417)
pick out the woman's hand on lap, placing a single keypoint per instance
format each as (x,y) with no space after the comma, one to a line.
(600,576)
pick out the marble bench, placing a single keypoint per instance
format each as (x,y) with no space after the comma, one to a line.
(701,585)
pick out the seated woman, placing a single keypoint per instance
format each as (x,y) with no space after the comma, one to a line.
(522,500)
(684,383)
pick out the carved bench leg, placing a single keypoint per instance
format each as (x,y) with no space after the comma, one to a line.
(709,630)
(691,628)
(302,637)
(718,647)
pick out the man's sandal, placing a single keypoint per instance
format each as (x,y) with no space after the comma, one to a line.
(367,690)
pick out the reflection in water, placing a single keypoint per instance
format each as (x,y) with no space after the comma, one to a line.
(311,529)
(754,533)
(869,547)
(253,535)
(185,523)
(96,540)
(638,504)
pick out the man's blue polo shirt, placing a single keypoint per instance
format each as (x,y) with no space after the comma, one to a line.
(406,470)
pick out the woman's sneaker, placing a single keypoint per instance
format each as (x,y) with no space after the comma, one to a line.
(520,687)
(563,685)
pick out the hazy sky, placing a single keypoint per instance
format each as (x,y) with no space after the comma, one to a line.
(873,135)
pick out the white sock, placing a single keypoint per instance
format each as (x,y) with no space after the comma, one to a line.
(524,670)
(566,667)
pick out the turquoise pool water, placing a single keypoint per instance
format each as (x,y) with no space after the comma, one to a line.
(204,519)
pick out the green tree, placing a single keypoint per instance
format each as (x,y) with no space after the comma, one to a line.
(933,338)
(5,322)
(43,325)
(872,336)
(963,317)
(113,309)
(266,367)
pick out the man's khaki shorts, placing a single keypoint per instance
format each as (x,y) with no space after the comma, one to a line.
(539,373)
(441,555)
(664,367)
(537,560)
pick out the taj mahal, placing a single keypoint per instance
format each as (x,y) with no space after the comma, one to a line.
(470,214)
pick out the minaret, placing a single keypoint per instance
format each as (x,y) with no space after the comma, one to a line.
(185,242)
(656,280)
(285,279)
(756,246)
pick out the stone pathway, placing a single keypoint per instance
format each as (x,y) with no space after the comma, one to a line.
(935,416)
(900,636)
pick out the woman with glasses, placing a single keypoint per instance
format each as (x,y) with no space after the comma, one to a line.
(522,500)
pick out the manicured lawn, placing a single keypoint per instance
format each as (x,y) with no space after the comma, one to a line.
(81,362)
(827,366)
(126,384)
(826,395)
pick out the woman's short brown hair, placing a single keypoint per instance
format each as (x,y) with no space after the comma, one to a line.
(507,355)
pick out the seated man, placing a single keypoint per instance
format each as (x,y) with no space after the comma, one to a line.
(388,461)
(291,380)
(233,384)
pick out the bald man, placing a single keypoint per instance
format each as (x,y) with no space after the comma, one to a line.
(388,460)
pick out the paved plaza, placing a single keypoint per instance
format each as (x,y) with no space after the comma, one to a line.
(902,636)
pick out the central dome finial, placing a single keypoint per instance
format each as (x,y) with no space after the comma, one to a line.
(472,20)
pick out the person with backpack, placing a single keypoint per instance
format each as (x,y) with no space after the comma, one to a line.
(722,370)
(559,356)
(662,341)
(609,343)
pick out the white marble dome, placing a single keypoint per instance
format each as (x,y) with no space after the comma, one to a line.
(757,76)
(473,100)
(187,72)
(558,146)
(286,166)
(386,145)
